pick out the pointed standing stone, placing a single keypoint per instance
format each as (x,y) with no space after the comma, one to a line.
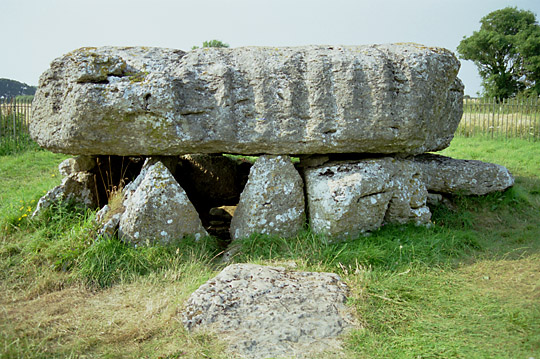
(158,210)
(272,201)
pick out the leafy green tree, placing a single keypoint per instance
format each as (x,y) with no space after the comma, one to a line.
(506,51)
(212,43)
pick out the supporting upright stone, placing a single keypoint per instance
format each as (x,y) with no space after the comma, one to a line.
(346,199)
(77,188)
(272,201)
(77,164)
(158,210)
(409,198)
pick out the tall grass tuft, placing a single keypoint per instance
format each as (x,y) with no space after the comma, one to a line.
(14,145)
(109,261)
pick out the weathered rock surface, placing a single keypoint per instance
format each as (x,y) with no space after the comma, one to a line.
(338,108)
(77,188)
(346,199)
(468,177)
(157,209)
(409,196)
(132,186)
(270,311)
(108,221)
(77,164)
(272,201)
(397,98)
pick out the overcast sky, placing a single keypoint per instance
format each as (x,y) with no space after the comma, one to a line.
(34,32)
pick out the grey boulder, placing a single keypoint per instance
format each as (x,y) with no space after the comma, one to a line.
(265,312)
(272,201)
(157,210)
(77,164)
(467,177)
(348,198)
(77,188)
(394,98)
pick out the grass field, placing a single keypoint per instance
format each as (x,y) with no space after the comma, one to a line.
(467,287)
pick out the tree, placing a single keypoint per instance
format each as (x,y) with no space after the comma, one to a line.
(212,43)
(506,51)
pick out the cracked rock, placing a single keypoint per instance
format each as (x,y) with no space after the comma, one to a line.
(348,198)
(77,188)
(127,101)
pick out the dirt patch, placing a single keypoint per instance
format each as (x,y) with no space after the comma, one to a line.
(76,319)
(507,278)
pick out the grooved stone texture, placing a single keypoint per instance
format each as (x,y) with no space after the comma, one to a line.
(395,98)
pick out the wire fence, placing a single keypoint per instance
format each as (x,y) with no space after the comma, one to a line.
(14,119)
(509,118)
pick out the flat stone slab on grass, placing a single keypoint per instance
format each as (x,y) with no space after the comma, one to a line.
(467,177)
(267,312)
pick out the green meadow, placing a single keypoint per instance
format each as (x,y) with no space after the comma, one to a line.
(468,286)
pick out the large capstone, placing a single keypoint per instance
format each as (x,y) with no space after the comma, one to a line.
(398,98)
(266,312)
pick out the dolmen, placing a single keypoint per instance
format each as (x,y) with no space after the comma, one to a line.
(341,136)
